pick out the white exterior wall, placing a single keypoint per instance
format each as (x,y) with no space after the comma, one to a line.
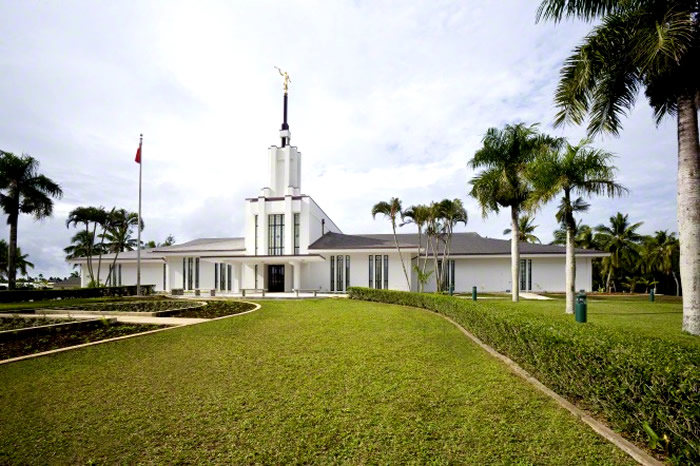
(493,274)
(151,273)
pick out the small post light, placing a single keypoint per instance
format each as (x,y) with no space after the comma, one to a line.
(581,307)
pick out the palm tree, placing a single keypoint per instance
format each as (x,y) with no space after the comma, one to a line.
(392,210)
(619,239)
(659,253)
(572,170)
(646,45)
(452,212)
(504,156)
(21,262)
(23,191)
(81,244)
(118,235)
(526,230)
(419,215)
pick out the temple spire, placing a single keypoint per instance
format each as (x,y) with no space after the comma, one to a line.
(284,132)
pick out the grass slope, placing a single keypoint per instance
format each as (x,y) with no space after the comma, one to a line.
(320,381)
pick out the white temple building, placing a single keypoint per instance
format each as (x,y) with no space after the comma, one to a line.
(291,244)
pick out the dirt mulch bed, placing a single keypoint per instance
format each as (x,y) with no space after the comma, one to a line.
(40,343)
(16,323)
(215,309)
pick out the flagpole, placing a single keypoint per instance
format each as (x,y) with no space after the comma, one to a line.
(138,247)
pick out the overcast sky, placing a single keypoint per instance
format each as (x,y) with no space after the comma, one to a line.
(387,99)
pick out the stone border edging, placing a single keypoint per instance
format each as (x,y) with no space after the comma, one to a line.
(124,337)
(601,429)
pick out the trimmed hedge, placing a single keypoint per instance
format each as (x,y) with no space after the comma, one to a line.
(17,296)
(647,388)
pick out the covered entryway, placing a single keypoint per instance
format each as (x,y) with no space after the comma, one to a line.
(275,278)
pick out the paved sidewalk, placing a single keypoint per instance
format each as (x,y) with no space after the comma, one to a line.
(535,296)
(144,319)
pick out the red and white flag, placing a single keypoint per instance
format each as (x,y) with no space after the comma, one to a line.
(138,154)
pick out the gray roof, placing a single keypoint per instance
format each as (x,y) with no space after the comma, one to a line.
(206,245)
(462,244)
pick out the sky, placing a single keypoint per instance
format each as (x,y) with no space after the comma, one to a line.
(387,99)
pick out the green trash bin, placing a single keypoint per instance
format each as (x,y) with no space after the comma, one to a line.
(651,295)
(473,293)
(581,307)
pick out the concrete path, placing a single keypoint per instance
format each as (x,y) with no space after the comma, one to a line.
(144,319)
(534,296)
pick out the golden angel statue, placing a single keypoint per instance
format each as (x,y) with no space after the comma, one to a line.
(285,75)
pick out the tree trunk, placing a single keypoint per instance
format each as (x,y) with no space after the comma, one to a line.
(396,242)
(607,280)
(678,288)
(12,253)
(570,268)
(515,254)
(689,211)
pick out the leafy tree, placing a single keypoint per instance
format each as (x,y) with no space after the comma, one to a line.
(526,230)
(649,45)
(620,240)
(504,157)
(572,171)
(452,213)
(86,216)
(392,211)
(23,191)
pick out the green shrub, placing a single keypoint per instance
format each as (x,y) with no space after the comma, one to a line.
(637,384)
(16,296)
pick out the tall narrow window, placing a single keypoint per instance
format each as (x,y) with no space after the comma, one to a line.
(184,272)
(296,234)
(452,274)
(256,277)
(339,268)
(371,271)
(228,276)
(196,272)
(110,275)
(120,275)
(529,274)
(378,272)
(256,235)
(332,273)
(222,276)
(347,272)
(276,234)
(523,274)
(189,273)
(165,271)
(216,274)
(386,272)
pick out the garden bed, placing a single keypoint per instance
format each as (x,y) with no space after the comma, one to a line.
(68,337)
(214,309)
(20,322)
(159,306)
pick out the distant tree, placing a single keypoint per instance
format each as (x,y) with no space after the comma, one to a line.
(504,156)
(392,211)
(526,230)
(21,262)
(572,171)
(23,191)
(619,239)
(89,217)
(452,212)
(636,45)
(169,241)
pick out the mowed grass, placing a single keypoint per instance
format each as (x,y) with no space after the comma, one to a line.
(317,381)
(660,319)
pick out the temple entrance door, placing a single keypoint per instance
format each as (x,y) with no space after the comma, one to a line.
(275,278)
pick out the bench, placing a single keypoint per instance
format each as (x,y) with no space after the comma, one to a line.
(297,291)
(177,292)
(253,290)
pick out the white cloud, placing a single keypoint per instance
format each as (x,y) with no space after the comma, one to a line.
(386,100)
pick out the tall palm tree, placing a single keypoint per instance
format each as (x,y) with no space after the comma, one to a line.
(647,45)
(526,230)
(392,210)
(23,191)
(81,243)
(619,239)
(419,215)
(95,217)
(502,184)
(453,213)
(574,171)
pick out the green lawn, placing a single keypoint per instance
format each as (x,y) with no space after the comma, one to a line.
(319,381)
(660,319)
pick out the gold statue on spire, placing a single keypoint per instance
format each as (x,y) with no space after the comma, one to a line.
(285,75)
